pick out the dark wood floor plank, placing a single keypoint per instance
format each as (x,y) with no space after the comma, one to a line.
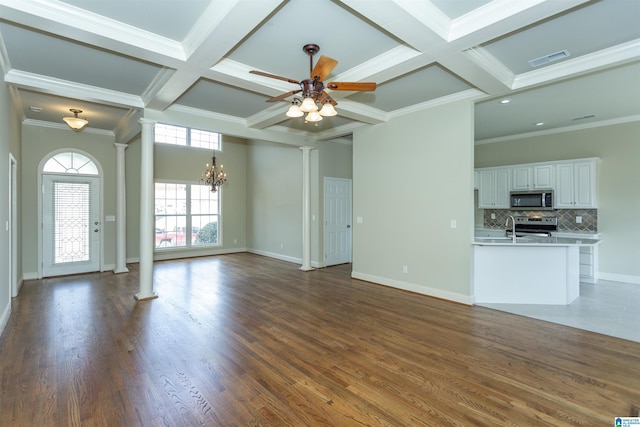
(244,340)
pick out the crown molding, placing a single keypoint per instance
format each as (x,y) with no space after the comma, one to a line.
(592,125)
(469,94)
(619,54)
(63,126)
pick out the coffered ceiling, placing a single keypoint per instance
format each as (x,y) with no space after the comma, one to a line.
(113,59)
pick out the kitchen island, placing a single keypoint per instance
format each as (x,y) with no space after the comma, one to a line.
(531,270)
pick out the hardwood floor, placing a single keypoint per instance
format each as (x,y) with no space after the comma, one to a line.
(244,340)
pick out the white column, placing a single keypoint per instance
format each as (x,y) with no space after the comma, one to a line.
(146,213)
(121,211)
(306,208)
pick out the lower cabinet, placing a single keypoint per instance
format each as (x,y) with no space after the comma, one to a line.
(588,257)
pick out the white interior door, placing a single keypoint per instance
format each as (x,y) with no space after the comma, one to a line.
(71,225)
(337,221)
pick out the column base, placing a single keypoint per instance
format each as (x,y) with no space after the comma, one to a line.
(304,268)
(145,298)
(125,270)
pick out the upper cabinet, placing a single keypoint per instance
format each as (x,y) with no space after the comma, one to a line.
(576,184)
(532,177)
(573,182)
(493,188)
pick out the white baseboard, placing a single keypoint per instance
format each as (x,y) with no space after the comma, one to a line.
(424,290)
(620,278)
(4,319)
(276,256)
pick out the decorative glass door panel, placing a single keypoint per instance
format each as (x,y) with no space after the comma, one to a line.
(71,225)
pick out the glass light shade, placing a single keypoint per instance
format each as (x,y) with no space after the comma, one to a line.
(294,111)
(327,110)
(313,116)
(75,123)
(308,105)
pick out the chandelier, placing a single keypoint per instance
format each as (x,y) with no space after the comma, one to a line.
(213,176)
(75,122)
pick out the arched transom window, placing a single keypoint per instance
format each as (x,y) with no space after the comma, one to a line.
(70,162)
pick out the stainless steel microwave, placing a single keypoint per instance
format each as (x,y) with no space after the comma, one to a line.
(536,200)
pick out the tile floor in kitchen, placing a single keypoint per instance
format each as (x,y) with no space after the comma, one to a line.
(610,308)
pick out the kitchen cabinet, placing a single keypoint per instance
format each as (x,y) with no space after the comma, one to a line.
(532,177)
(493,188)
(588,257)
(576,184)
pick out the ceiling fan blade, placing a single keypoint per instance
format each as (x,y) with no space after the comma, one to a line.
(283,96)
(352,86)
(323,67)
(325,96)
(273,76)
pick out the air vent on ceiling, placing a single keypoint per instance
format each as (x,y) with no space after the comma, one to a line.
(589,116)
(549,58)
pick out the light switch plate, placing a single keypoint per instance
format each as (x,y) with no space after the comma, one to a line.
(110,218)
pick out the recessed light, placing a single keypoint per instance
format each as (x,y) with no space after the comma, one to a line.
(35,109)
(539,123)
(505,101)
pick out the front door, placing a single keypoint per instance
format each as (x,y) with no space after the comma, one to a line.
(337,221)
(71,225)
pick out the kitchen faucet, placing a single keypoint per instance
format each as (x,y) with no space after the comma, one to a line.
(513,226)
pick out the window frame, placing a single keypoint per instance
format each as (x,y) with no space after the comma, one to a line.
(188,215)
(188,137)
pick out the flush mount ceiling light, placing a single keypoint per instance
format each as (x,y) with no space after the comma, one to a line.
(315,102)
(505,101)
(75,122)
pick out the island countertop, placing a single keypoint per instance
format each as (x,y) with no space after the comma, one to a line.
(534,241)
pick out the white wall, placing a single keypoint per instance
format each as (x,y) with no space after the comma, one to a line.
(618,184)
(9,145)
(411,177)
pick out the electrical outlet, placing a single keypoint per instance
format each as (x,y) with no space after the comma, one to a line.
(493,216)
(405,269)
(235,241)
(454,223)
(578,220)
(281,245)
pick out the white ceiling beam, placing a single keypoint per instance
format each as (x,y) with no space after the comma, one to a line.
(73,90)
(216,33)
(78,24)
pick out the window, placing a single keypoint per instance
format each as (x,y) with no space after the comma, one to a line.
(187,215)
(70,162)
(177,135)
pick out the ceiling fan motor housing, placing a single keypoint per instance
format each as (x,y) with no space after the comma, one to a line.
(311,88)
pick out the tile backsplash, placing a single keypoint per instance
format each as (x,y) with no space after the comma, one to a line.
(566,218)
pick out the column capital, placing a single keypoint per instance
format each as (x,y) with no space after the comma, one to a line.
(307,148)
(120,146)
(144,121)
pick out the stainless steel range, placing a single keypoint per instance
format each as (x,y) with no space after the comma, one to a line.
(538,226)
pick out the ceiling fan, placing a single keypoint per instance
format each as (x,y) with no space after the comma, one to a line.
(313,88)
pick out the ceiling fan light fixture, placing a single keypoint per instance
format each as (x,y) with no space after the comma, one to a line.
(313,116)
(294,111)
(327,110)
(75,122)
(308,105)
